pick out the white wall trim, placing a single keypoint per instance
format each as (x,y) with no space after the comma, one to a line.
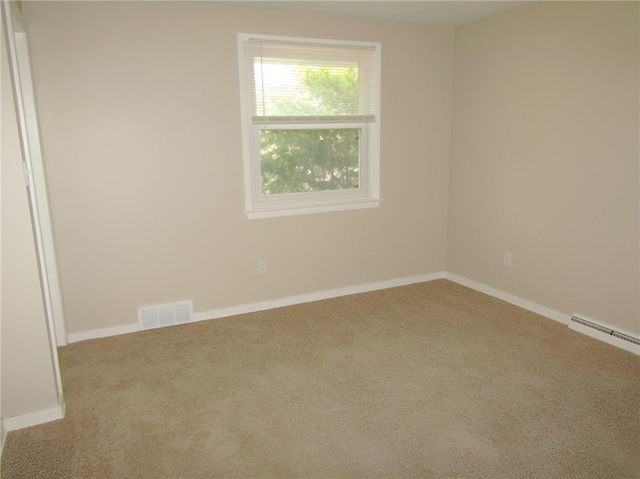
(547,313)
(318,296)
(33,418)
(364,288)
(269,304)
(3,437)
(510,298)
(103,333)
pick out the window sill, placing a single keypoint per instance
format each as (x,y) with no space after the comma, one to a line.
(305,209)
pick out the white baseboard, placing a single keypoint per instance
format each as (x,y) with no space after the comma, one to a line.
(103,333)
(318,296)
(269,304)
(546,312)
(33,418)
(563,318)
(3,436)
(510,298)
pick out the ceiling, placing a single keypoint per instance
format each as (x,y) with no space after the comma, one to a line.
(451,12)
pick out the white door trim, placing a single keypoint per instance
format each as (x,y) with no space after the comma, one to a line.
(19,65)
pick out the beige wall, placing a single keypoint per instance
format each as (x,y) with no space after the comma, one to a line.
(140,121)
(139,113)
(28,380)
(545,157)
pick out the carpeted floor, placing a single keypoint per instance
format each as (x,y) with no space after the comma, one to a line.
(432,380)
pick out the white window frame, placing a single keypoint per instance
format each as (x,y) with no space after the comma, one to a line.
(259,205)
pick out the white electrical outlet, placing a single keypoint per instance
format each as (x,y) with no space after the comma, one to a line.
(262,266)
(507,258)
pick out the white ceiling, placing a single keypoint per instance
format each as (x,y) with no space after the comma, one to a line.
(451,12)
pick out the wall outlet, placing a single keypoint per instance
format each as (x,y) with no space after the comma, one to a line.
(507,258)
(262,266)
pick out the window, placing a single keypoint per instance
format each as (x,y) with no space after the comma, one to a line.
(310,117)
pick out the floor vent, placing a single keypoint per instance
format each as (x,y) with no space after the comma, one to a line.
(167,314)
(603,333)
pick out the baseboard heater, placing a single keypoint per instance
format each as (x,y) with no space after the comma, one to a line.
(598,331)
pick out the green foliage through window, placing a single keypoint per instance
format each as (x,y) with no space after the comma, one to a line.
(295,161)
(314,159)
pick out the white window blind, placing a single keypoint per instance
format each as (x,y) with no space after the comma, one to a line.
(280,72)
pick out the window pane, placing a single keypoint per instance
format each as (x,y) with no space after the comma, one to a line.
(294,161)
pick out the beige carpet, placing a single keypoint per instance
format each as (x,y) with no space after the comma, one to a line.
(431,380)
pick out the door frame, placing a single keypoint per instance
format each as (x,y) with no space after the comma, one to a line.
(35,179)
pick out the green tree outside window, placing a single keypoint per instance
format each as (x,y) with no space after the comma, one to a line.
(314,159)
